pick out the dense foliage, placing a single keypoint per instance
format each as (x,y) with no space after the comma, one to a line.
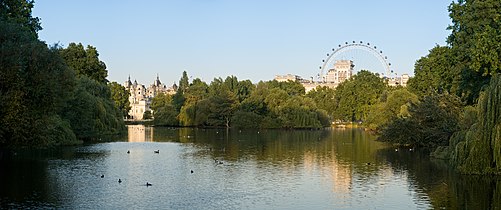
(120,96)
(355,96)
(430,122)
(458,112)
(19,13)
(49,96)
(34,86)
(240,104)
(477,148)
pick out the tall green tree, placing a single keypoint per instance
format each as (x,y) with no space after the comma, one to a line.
(35,85)
(355,96)
(476,44)
(324,98)
(476,150)
(178,98)
(434,72)
(91,111)
(194,112)
(164,112)
(120,96)
(85,61)
(19,13)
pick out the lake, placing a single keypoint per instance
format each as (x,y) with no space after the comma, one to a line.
(238,169)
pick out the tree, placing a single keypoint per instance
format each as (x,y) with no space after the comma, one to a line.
(355,96)
(19,13)
(164,112)
(221,108)
(434,72)
(147,115)
(35,85)
(475,43)
(475,150)
(431,123)
(178,98)
(195,109)
(396,105)
(85,62)
(292,88)
(324,98)
(120,96)
(91,111)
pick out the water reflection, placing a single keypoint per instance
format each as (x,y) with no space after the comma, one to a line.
(255,169)
(140,133)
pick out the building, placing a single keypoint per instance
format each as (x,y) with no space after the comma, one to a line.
(287,77)
(399,80)
(140,96)
(343,70)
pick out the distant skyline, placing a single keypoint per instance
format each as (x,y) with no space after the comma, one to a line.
(248,39)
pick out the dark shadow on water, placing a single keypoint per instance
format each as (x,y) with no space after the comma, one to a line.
(445,187)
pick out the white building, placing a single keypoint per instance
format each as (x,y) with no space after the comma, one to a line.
(140,96)
(343,70)
(287,77)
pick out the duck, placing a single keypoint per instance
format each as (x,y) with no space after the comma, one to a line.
(148,184)
(119,181)
(128,151)
(156,151)
(102,176)
(191,171)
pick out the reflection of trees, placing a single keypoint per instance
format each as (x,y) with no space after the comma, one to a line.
(444,187)
(335,154)
(20,175)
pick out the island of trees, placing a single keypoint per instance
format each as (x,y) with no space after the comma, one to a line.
(50,95)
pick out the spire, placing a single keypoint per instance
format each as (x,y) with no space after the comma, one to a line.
(157,82)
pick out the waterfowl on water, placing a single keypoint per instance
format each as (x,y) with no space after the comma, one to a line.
(119,181)
(128,151)
(191,171)
(148,184)
(156,151)
(102,176)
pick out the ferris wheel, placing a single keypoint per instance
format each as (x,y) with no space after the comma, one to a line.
(364,56)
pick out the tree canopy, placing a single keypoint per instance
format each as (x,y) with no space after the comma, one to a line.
(85,62)
(19,13)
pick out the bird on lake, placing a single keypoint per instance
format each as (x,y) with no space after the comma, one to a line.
(102,176)
(128,151)
(148,184)
(156,151)
(191,171)
(119,181)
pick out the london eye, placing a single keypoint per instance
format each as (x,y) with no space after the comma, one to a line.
(365,56)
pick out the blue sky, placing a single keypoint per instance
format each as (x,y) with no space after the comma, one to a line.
(251,39)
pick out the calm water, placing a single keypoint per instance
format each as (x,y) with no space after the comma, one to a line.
(267,169)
